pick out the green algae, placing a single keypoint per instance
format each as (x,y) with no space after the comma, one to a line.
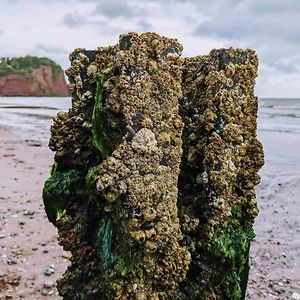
(115,263)
(61,188)
(100,132)
(89,181)
(104,241)
(230,245)
(53,168)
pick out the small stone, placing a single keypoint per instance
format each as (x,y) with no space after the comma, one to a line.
(49,271)
(48,284)
(10,261)
(66,255)
(44,293)
(28,213)
(22,223)
(2,274)
(296,296)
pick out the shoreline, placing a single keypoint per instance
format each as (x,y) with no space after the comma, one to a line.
(28,242)
(274,254)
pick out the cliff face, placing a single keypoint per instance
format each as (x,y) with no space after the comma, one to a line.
(43,80)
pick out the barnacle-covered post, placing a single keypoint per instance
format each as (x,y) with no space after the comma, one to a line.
(221,158)
(155,164)
(113,190)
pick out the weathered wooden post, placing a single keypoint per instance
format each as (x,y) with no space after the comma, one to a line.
(220,161)
(155,163)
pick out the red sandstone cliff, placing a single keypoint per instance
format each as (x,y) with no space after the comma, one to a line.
(39,82)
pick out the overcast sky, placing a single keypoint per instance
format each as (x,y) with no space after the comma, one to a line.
(53,28)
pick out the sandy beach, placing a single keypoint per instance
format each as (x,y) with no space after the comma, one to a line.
(29,248)
(275,260)
(28,244)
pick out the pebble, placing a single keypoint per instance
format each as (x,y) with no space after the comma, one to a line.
(28,213)
(48,284)
(10,261)
(49,271)
(296,296)
(2,274)
(66,255)
(44,293)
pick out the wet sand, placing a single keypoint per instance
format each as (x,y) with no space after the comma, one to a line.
(28,244)
(275,253)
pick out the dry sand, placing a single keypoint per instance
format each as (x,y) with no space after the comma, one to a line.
(28,244)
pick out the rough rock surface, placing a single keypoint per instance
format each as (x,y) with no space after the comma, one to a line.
(39,82)
(134,231)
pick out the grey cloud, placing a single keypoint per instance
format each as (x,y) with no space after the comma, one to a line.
(289,68)
(284,26)
(58,54)
(115,9)
(10,2)
(271,27)
(275,6)
(227,21)
(254,19)
(233,28)
(40,48)
(144,25)
(74,19)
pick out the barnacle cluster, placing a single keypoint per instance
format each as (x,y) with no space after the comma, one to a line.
(155,164)
(221,158)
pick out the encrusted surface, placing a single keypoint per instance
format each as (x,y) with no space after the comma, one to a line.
(138,124)
(219,168)
(134,231)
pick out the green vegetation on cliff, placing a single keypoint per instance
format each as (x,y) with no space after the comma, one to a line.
(24,65)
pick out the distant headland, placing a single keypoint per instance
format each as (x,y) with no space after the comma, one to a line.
(31,76)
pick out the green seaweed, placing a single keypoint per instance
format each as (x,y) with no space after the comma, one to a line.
(59,189)
(104,241)
(115,262)
(53,168)
(231,244)
(100,131)
(89,181)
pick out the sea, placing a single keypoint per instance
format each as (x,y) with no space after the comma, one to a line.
(31,117)
(278,127)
